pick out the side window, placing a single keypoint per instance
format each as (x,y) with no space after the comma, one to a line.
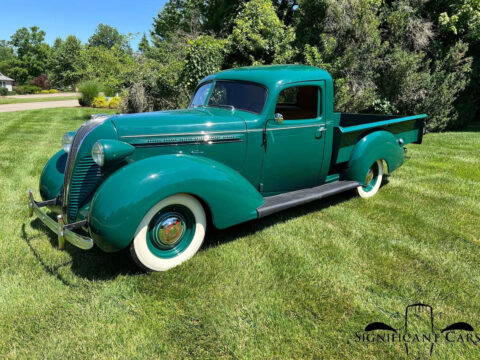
(298,103)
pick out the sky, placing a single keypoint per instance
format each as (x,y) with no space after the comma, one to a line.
(60,18)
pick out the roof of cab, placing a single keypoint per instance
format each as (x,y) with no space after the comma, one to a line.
(272,75)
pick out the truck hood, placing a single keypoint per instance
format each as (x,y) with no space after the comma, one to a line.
(189,121)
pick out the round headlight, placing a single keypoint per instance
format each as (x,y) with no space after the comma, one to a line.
(97,154)
(67,140)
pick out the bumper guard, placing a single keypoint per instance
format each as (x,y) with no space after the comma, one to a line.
(64,232)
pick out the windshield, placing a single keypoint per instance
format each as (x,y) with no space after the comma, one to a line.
(239,95)
(201,95)
(232,95)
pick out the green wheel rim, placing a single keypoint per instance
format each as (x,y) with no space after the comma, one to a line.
(171,231)
(371,178)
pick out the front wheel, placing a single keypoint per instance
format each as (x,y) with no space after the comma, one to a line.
(170,233)
(372,181)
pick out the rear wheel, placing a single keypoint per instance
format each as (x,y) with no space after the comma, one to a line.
(170,233)
(373,180)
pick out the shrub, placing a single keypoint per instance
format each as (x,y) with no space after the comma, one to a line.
(26,89)
(3,91)
(53,91)
(19,90)
(41,81)
(100,102)
(137,99)
(114,102)
(44,92)
(89,91)
(109,91)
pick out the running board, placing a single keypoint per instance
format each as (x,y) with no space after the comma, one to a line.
(284,201)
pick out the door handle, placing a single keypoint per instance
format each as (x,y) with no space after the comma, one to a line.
(320,131)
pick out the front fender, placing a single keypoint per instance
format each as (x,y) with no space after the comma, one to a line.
(51,179)
(122,201)
(372,147)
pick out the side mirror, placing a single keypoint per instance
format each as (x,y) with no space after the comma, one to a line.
(278,118)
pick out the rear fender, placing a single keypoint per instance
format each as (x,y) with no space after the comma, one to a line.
(122,201)
(372,147)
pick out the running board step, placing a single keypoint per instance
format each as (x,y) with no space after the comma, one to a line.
(281,202)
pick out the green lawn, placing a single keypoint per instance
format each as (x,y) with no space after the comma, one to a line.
(298,284)
(4,100)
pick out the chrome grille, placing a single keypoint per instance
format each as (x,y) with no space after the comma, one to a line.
(85,178)
(80,135)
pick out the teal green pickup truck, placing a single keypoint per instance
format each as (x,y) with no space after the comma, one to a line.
(253,141)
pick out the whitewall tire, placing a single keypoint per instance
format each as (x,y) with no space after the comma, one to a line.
(170,233)
(373,180)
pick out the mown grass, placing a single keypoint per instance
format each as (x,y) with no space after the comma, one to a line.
(297,284)
(5,100)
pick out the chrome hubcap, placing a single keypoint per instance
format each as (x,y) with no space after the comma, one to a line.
(169,229)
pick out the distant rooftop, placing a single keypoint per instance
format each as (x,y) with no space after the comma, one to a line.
(5,78)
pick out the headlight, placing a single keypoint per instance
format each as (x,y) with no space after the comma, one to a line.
(97,154)
(67,140)
(107,151)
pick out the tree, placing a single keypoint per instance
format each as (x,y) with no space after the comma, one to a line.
(350,47)
(219,15)
(7,58)
(205,55)
(459,20)
(399,56)
(107,36)
(6,51)
(464,18)
(259,37)
(32,53)
(144,45)
(175,16)
(113,67)
(310,22)
(67,63)
(285,10)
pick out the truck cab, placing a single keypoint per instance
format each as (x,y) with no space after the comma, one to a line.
(290,113)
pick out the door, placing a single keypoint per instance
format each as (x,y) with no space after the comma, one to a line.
(294,148)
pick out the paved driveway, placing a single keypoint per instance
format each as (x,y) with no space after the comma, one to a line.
(38,105)
(36,96)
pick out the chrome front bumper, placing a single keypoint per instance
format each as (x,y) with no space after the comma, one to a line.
(64,232)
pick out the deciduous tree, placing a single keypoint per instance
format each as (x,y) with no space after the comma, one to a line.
(32,53)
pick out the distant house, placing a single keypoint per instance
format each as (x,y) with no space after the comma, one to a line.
(6,82)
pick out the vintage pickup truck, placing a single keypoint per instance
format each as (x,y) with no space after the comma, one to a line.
(253,141)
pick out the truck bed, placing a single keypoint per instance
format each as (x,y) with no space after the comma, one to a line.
(352,127)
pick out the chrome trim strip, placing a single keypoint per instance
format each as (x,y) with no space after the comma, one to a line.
(204,133)
(186,142)
(220,132)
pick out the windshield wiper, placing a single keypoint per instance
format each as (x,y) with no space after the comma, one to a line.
(231,107)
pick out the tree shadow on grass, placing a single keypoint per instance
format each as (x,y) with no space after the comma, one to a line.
(473,127)
(94,264)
